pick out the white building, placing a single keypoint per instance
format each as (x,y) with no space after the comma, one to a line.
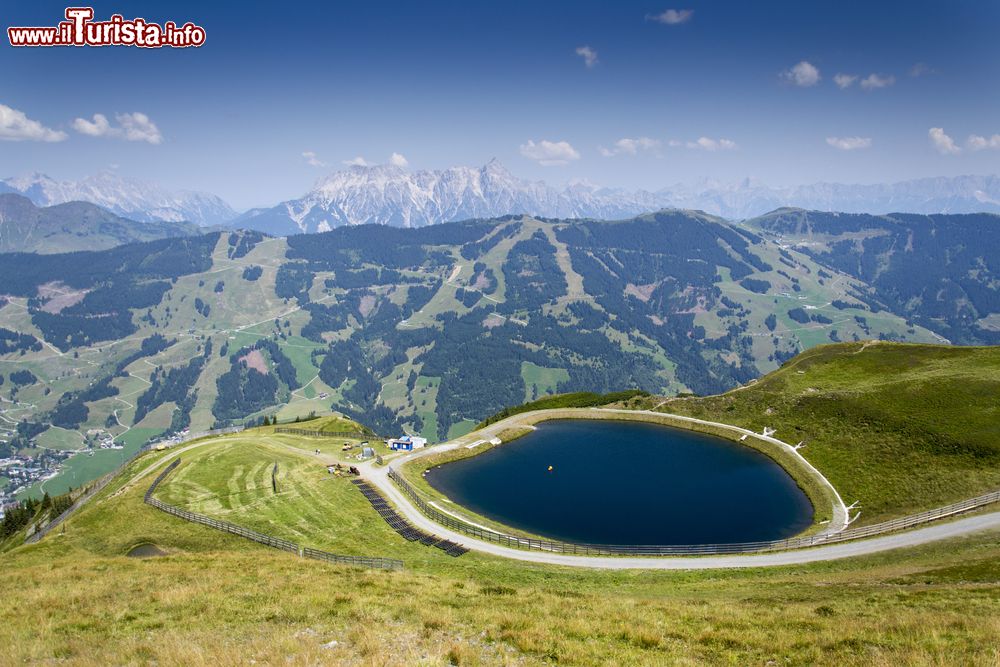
(407,443)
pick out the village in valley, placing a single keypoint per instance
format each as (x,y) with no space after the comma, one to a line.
(24,471)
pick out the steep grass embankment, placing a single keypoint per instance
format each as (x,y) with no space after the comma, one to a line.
(899,428)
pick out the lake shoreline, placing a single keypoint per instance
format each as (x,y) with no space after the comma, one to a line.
(821,496)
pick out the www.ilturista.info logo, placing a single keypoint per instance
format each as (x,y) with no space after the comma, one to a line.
(79,29)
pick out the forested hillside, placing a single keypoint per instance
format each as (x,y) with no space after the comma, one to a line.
(939,270)
(428,330)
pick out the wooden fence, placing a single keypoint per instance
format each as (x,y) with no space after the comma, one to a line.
(693,549)
(357,435)
(261,538)
(97,485)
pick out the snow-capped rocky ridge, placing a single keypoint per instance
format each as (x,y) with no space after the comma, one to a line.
(390,195)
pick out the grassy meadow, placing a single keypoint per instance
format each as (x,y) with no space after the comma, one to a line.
(898,428)
(217,599)
(222,600)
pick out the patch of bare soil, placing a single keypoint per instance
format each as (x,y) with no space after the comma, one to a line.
(367,304)
(492,321)
(146,551)
(255,360)
(641,292)
(58,297)
(481,282)
(700,306)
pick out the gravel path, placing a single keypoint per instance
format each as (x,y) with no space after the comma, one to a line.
(379,476)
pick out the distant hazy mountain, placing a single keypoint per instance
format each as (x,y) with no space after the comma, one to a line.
(126,197)
(959,194)
(74,226)
(390,195)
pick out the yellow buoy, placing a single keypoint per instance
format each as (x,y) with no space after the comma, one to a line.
(550,468)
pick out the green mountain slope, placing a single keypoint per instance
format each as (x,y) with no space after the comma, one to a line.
(74,226)
(898,428)
(429,330)
(938,270)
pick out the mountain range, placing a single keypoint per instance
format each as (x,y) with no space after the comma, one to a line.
(126,197)
(748,198)
(390,195)
(386,194)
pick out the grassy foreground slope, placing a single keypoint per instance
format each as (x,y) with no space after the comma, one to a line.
(220,600)
(217,599)
(899,428)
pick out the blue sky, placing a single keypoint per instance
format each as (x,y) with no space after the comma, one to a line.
(713,90)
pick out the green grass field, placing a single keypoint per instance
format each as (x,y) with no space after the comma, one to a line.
(136,437)
(932,605)
(232,481)
(217,599)
(459,429)
(899,428)
(86,466)
(425,401)
(60,438)
(539,381)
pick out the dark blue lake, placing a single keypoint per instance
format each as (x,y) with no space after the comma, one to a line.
(617,482)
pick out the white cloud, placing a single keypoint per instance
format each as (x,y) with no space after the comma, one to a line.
(628,146)
(920,69)
(398,160)
(549,153)
(849,143)
(672,16)
(978,143)
(844,81)
(707,144)
(803,74)
(138,127)
(588,54)
(131,127)
(357,162)
(942,142)
(876,81)
(312,159)
(15,126)
(93,128)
